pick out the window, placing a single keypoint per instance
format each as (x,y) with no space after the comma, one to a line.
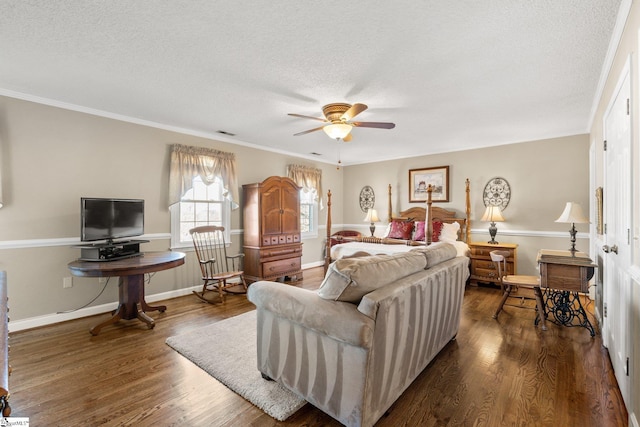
(201,205)
(308,214)
(310,181)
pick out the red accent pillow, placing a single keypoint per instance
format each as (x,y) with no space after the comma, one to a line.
(437,229)
(419,235)
(401,230)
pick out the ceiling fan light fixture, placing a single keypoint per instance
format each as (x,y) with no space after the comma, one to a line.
(337,130)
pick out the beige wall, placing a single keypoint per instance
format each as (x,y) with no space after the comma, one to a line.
(543,176)
(51,157)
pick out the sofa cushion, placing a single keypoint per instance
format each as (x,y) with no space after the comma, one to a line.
(338,320)
(436,253)
(352,278)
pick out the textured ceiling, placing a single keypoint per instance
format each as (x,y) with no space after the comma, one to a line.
(452,75)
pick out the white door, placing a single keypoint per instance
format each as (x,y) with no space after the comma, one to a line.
(617,217)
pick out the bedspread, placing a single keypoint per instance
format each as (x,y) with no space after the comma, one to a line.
(348,249)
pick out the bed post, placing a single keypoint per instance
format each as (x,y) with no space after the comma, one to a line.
(389,211)
(428,220)
(327,253)
(468,212)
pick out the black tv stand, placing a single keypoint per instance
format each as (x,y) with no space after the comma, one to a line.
(110,250)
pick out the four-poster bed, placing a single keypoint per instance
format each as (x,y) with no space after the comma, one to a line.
(430,216)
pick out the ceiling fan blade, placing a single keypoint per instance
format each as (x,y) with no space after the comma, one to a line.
(379,125)
(307,117)
(353,111)
(347,138)
(308,131)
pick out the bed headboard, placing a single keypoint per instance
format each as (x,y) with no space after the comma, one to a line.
(437,214)
(419,213)
(415,213)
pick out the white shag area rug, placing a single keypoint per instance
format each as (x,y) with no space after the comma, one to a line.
(227,351)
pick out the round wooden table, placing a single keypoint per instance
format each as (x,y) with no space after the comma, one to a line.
(131,284)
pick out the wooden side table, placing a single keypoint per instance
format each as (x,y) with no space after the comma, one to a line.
(483,269)
(563,274)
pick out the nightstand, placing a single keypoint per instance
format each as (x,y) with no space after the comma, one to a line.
(482,268)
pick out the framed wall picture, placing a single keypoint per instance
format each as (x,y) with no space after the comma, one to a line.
(420,179)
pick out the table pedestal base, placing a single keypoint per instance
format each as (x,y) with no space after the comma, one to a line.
(132,304)
(565,308)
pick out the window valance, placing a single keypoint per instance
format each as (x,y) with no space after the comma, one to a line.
(188,162)
(308,178)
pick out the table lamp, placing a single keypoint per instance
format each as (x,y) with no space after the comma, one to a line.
(572,214)
(372,217)
(493,214)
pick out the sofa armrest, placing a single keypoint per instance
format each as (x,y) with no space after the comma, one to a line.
(339,320)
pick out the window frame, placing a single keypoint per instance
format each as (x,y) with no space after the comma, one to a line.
(314,213)
(176,211)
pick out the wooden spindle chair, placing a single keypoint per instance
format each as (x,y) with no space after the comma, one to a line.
(217,268)
(512,282)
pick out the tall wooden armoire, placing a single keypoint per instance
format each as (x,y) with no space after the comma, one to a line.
(272,244)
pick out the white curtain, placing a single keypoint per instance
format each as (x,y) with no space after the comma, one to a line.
(188,162)
(308,178)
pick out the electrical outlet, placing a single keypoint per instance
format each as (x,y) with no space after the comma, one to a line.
(102,279)
(67,282)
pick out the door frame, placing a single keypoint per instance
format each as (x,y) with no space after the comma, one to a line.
(624,76)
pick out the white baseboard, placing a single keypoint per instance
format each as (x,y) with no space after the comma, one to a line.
(50,319)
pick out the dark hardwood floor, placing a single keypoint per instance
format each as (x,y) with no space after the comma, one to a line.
(496,373)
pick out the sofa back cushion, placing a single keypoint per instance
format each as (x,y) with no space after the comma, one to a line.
(350,279)
(436,253)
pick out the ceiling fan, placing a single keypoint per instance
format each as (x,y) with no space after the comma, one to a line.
(338,118)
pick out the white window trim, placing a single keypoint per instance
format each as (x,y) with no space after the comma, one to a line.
(174,211)
(313,234)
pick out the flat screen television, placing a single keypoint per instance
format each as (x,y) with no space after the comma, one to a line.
(109,219)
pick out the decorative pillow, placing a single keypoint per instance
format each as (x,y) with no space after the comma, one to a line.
(437,230)
(419,235)
(449,232)
(352,278)
(401,230)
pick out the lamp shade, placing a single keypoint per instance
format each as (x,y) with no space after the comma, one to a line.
(573,214)
(372,216)
(337,130)
(492,214)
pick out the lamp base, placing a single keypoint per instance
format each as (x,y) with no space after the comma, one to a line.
(573,233)
(372,228)
(493,230)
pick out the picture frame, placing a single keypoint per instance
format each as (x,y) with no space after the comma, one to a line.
(419,180)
